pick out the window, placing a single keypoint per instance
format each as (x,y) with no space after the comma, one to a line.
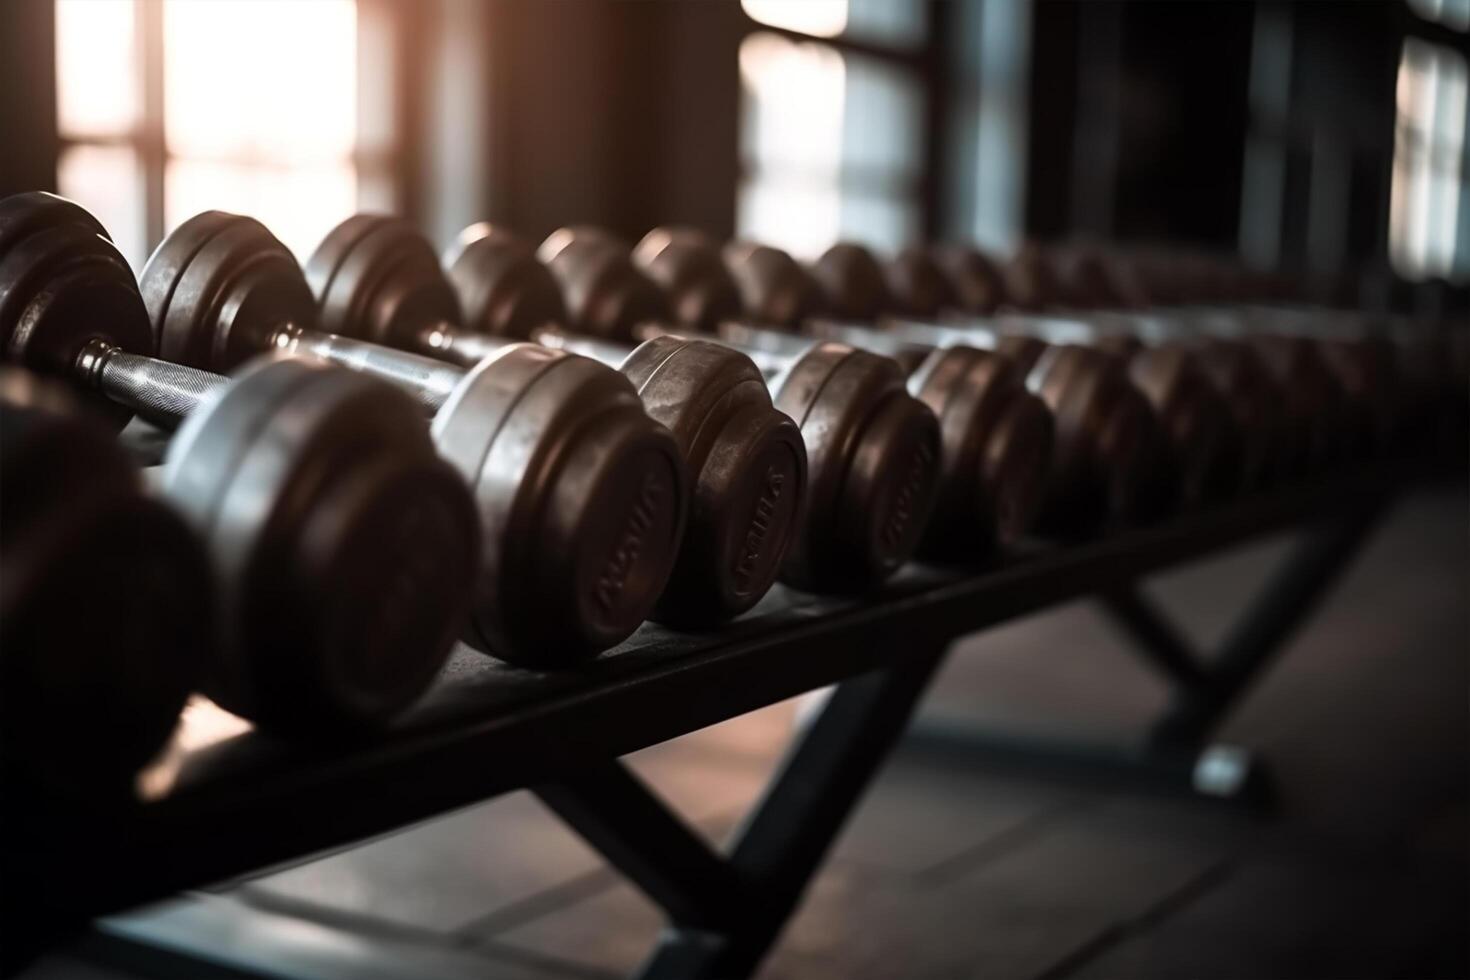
(170,107)
(1454,14)
(1429,169)
(830,130)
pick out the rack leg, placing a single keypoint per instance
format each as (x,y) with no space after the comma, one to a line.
(787,835)
(1176,753)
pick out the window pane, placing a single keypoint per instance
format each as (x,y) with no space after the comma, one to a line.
(97,79)
(899,23)
(791,112)
(880,221)
(298,205)
(265,82)
(896,23)
(822,18)
(106,180)
(883,111)
(801,218)
(831,147)
(1429,150)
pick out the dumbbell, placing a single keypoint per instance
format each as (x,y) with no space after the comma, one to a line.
(747,459)
(995,436)
(339,543)
(1105,451)
(872,450)
(382,281)
(581,495)
(1267,447)
(975,282)
(93,673)
(1363,366)
(1320,425)
(1197,425)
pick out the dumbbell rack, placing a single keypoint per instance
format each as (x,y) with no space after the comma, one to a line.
(243,803)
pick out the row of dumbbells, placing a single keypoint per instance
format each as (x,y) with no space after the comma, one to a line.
(617,434)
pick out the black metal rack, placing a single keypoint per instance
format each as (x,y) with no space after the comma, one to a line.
(227,802)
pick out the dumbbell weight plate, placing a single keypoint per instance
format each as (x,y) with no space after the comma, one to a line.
(539,434)
(377,279)
(874,460)
(975,281)
(60,287)
(26,214)
(1202,433)
(606,296)
(917,285)
(104,602)
(687,267)
(773,288)
(217,288)
(748,466)
(340,534)
(1107,462)
(988,457)
(504,290)
(852,281)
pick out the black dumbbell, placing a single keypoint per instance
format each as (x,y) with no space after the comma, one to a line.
(1105,451)
(746,458)
(872,450)
(995,435)
(975,281)
(1197,425)
(340,544)
(581,495)
(106,600)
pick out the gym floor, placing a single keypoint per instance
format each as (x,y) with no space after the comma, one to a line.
(953,870)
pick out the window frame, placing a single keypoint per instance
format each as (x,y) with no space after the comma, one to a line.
(147,138)
(928,65)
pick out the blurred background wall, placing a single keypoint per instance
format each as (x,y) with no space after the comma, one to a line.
(1325,139)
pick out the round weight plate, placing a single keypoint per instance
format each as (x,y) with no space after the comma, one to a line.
(605,295)
(873,454)
(325,262)
(26,214)
(1077,385)
(773,288)
(1194,420)
(970,391)
(852,281)
(502,287)
(87,698)
(687,266)
(344,548)
(917,285)
(162,274)
(1017,466)
(234,284)
(582,499)
(748,463)
(377,279)
(60,288)
(975,281)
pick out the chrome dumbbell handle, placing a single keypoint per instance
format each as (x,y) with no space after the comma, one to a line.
(456,345)
(430,381)
(159,391)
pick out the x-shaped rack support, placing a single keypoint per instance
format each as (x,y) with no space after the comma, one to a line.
(726,909)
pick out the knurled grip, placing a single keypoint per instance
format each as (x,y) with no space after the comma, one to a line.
(161,392)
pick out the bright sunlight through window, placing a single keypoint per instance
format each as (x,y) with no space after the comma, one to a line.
(264,123)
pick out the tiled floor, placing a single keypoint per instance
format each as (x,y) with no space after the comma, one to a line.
(949,870)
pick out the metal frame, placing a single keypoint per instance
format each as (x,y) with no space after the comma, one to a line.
(241,803)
